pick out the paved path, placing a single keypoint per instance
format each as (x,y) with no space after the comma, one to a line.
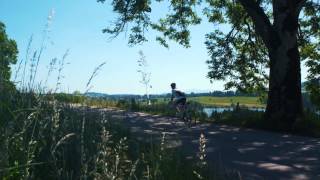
(255,154)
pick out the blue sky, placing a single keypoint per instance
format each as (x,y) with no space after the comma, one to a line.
(77,26)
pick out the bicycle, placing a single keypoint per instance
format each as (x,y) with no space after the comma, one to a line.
(184,112)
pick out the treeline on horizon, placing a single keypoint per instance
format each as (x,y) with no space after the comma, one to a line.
(215,93)
(168,95)
(77,97)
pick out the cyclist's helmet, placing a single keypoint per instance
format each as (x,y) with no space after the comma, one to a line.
(173,85)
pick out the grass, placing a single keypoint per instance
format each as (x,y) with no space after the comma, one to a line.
(222,101)
(228,101)
(49,139)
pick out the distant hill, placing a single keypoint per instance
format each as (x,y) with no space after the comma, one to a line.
(111,96)
(95,94)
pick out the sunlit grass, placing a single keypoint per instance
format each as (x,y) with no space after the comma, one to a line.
(228,101)
(222,101)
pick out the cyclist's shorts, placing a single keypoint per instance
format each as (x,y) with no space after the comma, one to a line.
(180,101)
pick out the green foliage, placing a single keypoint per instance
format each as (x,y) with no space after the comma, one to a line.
(69,98)
(44,139)
(310,48)
(240,56)
(243,118)
(313,87)
(309,125)
(195,109)
(99,102)
(175,25)
(8,55)
(136,14)
(158,108)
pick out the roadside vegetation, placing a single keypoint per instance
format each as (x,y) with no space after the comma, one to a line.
(307,126)
(58,141)
(46,134)
(241,116)
(245,115)
(50,135)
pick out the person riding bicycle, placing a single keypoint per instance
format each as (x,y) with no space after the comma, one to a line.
(179,102)
(177,97)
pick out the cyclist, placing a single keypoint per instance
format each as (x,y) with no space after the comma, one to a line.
(178,101)
(177,97)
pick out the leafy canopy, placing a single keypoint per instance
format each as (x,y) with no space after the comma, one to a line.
(240,55)
(8,56)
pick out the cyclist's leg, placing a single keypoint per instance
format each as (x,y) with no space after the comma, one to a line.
(187,114)
(181,104)
(175,105)
(184,102)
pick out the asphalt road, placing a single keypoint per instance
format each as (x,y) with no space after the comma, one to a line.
(255,154)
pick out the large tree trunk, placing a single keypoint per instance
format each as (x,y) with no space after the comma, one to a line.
(284,98)
(284,104)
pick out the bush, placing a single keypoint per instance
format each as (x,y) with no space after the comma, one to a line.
(242,118)
(309,125)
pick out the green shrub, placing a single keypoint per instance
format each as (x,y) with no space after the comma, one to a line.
(309,125)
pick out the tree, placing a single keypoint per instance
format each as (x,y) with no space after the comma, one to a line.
(8,56)
(145,74)
(262,51)
(76,93)
(313,87)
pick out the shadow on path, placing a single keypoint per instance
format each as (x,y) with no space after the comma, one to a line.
(256,154)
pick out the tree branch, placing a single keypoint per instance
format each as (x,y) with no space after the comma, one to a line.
(261,21)
(300,4)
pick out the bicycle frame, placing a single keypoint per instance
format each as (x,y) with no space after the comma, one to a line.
(182,112)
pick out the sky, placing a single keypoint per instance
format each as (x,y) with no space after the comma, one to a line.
(76,27)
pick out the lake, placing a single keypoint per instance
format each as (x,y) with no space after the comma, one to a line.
(210,110)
